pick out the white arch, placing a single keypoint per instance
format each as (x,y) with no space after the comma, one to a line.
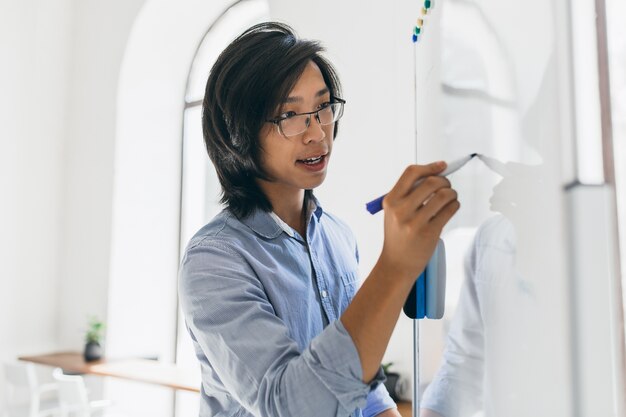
(146,195)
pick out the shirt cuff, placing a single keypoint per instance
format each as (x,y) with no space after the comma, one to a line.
(334,360)
(378,401)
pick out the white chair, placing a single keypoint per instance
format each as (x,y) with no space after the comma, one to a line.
(73,399)
(24,397)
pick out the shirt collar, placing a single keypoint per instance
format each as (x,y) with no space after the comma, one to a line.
(270,226)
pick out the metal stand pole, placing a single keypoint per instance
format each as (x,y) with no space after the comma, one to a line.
(416,368)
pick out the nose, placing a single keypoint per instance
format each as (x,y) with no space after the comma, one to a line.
(314,131)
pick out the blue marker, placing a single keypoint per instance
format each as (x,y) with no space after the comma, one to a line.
(375,206)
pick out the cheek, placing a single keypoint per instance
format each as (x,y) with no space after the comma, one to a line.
(267,162)
(330,132)
(274,159)
(266,150)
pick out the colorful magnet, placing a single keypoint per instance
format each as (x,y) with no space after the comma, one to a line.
(417,30)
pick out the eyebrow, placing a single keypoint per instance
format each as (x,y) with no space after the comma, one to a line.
(299,99)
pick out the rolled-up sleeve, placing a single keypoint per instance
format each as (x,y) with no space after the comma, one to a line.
(249,347)
(378,401)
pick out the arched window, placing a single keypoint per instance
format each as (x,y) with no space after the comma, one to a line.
(165,188)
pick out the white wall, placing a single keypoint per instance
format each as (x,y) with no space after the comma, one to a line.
(98,43)
(58,80)
(35,54)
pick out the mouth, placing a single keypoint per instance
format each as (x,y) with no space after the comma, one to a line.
(314,163)
(313,160)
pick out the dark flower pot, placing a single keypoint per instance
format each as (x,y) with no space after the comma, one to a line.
(93,352)
(391,384)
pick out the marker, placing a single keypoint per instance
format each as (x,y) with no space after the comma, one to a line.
(375,206)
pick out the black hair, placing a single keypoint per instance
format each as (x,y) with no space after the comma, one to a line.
(246,85)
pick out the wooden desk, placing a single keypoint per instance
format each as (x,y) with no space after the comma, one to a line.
(140,370)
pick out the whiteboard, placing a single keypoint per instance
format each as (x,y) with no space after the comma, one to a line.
(492,78)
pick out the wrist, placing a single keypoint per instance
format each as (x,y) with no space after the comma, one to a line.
(393,272)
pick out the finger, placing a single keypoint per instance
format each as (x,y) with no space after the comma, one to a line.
(412,174)
(423,193)
(434,226)
(435,204)
(444,215)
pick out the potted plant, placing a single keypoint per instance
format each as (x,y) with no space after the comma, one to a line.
(391,381)
(93,339)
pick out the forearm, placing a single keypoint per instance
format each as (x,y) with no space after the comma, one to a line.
(392,412)
(372,315)
(414,218)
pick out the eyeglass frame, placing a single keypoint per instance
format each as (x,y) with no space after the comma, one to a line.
(276,121)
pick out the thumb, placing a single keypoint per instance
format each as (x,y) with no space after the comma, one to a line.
(435,167)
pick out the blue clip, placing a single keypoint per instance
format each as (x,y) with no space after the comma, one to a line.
(428,295)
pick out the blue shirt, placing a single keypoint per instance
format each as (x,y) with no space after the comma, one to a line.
(262,306)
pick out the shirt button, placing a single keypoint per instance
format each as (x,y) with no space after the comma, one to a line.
(324,294)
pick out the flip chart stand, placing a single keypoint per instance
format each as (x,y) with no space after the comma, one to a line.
(426,301)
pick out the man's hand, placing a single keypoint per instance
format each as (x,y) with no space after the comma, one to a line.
(414,218)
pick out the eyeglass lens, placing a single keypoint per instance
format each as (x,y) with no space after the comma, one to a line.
(297,124)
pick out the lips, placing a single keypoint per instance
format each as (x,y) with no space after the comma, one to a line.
(313,159)
(315,164)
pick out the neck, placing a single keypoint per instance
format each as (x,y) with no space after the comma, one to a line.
(288,206)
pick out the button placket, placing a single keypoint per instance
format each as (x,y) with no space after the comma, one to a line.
(322,287)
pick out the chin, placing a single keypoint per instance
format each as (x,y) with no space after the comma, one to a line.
(313,184)
(312,180)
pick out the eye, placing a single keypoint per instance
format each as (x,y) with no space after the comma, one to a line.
(287,115)
(324,105)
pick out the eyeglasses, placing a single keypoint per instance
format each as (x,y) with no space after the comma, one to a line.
(293,124)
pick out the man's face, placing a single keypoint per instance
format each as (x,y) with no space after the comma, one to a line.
(282,158)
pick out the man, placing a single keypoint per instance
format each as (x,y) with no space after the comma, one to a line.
(268,286)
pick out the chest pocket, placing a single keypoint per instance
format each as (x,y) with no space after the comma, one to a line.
(350,283)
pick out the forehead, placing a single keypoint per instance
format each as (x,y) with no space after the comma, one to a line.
(310,83)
